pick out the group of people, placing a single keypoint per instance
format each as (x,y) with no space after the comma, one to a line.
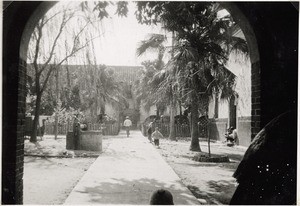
(153,136)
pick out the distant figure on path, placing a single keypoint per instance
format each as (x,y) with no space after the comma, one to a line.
(149,131)
(161,197)
(156,136)
(127,125)
(43,129)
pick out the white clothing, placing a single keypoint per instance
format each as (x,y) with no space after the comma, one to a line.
(127,123)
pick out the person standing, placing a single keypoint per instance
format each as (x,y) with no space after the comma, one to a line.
(149,132)
(43,129)
(156,136)
(127,124)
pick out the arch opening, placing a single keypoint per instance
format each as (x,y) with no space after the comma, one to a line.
(234,11)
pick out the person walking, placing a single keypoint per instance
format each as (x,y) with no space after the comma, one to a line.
(127,124)
(156,136)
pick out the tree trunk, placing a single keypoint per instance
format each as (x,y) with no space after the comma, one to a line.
(172,135)
(57,99)
(102,108)
(208,142)
(180,109)
(68,77)
(33,137)
(157,112)
(194,125)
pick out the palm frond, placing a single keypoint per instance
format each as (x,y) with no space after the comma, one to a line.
(154,41)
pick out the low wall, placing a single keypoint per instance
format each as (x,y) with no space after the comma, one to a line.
(88,140)
(63,129)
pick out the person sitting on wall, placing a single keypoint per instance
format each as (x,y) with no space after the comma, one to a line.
(231,136)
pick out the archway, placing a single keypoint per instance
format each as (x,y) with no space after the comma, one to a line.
(277,58)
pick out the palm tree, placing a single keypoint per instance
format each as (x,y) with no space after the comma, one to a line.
(99,87)
(204,41)
(161,82)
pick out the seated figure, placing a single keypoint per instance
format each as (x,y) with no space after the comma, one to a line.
(231,136)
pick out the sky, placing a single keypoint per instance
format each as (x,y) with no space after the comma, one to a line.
(121,38)
(117,44)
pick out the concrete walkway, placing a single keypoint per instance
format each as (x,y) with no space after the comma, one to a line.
(127,172)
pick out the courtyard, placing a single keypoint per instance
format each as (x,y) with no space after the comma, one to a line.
(130,167)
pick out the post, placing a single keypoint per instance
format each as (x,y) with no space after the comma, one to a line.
(208,139)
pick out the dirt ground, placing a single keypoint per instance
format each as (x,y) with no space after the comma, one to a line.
(211,183)
(51,172)
(50,180)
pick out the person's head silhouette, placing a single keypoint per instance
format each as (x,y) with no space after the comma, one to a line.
(161,197)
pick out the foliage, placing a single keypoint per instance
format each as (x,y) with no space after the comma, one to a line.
(203,42)
(52,43)
(145,87)
(65,115)
(102,6)
(98,86)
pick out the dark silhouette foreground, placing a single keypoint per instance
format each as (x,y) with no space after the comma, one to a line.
(267,173)
(161,197)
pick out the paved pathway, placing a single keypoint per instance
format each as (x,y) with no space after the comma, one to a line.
(128,171)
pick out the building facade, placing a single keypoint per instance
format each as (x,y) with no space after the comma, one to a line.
(236,110)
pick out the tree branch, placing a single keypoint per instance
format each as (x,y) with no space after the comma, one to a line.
(37,48)
(63,24)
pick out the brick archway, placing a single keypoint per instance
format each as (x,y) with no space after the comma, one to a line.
(248,31)
(273,54)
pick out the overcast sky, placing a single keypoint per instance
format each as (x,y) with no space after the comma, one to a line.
(121,38)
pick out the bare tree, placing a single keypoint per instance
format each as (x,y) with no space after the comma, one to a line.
(52,57)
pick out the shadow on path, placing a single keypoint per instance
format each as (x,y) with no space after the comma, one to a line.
(133,192)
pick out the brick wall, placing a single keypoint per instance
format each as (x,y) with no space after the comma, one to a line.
(20,130)
(255,93)
(13,148)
